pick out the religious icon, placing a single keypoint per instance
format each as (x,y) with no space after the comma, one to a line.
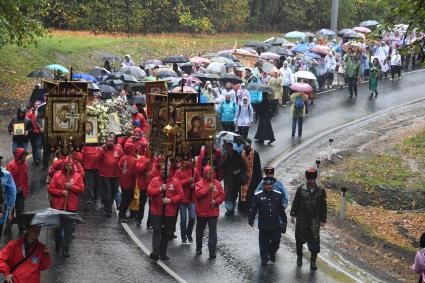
(91,130)
(66,117)
(18,129)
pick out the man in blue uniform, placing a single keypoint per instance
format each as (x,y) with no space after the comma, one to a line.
(277,185)
(271,219)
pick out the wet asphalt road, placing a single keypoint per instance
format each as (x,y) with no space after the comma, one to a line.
(102,251)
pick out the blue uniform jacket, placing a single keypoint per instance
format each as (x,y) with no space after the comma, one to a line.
(277,186)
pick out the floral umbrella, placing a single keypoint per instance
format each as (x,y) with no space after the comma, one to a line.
(200,60)
(362,29)
(320,49)
(302,87)
(270,56)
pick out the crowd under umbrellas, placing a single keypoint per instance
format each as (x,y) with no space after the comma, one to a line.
(246,84)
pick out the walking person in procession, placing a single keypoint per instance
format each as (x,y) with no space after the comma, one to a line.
(127,179)
(276,84)
(166,193)
(310,211)
(264,130)
(272,219)
(395,64)
(351,65)
(209,196)
(374,71)
(20,135)
(23,259)
(36,136)
(188,176)
(277,185)
(287,79)
(7,196)
(227,112)
(253,171)
(299,104)
(244,117)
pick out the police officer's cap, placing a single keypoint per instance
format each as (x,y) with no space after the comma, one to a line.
(311,174)
(268,170)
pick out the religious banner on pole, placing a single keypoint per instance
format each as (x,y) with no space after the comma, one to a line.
(152,88)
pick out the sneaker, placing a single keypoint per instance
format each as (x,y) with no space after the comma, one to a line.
(229,213)
(299,261)
(65,253)
(123,220)
(164,257)
(154,256)
(184,242)
(273,257)
(313,265)
(190,239)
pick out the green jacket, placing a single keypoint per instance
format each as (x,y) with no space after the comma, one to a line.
(351,66)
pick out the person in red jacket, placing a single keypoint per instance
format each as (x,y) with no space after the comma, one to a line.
(64,190)
(15,251)
(139,141)
(127,165)
(209,195)
(108,158)
(144,176)
(91,173)
(204,160)
(139,120)
(166,196)
(18,168)
(188,177)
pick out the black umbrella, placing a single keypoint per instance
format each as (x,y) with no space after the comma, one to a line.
(137,87)
(128,78)
(47,217)
(93,86)
(228,56)
(206,76)
(257,44)
(97,71)
(107,89)
(281,51)
(260,87)
(165,73)
(276,41)
(230,78)
(176,59)
(234,65)
(43,73)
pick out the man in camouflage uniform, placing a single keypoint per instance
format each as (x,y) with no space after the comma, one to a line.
(310,210)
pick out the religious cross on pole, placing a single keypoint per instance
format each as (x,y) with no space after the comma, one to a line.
(72,116)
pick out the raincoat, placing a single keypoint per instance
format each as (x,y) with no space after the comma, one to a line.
(373,77)
(204,196)
(174,192)
(127,166)
(419,264)
(108,161)
(8,195)
(184,175)
(19,171)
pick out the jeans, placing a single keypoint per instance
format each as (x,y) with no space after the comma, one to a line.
(16,145)
(36,144)
(395,69)
(127,197)
(92,184)
(299,120)
(352,85)
(186,227)
(212,233)
(109,191)
(231,195)
(269,240)
(228,126)
(63,234)
(160,234)
(243,131)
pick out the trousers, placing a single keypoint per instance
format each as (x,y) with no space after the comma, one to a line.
(269,240)
(109,191)
(186,227)
(212,233)
(126,198)
(160,234)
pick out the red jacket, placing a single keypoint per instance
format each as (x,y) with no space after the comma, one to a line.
(184,178)
(57,165)
(89,157)
(143,168)
(140,122)
(108,161)
(200,162)
(19,171)
(127,165)
(29,270)
(174,192)
(204,196)
(57,186)
(33,118)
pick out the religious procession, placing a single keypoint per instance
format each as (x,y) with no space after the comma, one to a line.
(168,142)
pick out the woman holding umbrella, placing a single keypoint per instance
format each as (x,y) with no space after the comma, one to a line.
(299,100)
(264,130)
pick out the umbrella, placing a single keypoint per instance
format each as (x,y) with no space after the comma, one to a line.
(348,33)
(309,61)
(82,76)
(260,87)
(216,68)
(200,60)
(326,32)
(155,62)
(276,41)
(42,73)
(221,59)
(270,56)
(362,29)
(295,35)
(257,44)
(320,49)
(207,76)
(225,136)
(305,75)
(107,89)
(230,78)
(165,72)
(269,68)
(56,67)
(228,55)
(309,34)
(312,55)
(133,71)
(288,45)
(97,71)
(301,48)
(176,59)
(185,89)
(369,23)
(234,65)
(302,87)
(128,78)
(247,50)
(111,58)
(93,86)
(281,51)
(47,217)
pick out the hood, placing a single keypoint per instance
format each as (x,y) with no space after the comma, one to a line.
(129,148)
(134,110)
(21,110)
(78,156)
(19,153)
(68,160)
(138,130)
(207,169)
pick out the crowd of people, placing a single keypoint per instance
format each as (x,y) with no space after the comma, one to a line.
(125,171)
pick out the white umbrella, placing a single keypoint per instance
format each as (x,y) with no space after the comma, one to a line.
(304,75)
(216,68)
(133,71)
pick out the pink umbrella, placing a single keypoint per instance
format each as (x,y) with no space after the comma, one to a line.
(302,87)
(320,49)
(200,60)
(362,29)
(270,56)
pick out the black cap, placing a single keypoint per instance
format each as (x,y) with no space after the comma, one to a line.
(269,180)
(268,170)
(311,174)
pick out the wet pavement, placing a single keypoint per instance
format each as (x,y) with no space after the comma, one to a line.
(103,252)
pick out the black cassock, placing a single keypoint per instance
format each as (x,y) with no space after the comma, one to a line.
(264,130)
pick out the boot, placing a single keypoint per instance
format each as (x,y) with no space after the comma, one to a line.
(299,254)
(313,265)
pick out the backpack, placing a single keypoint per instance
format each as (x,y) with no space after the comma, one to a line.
(299,103)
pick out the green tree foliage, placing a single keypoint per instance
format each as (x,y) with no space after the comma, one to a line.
(18,21)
